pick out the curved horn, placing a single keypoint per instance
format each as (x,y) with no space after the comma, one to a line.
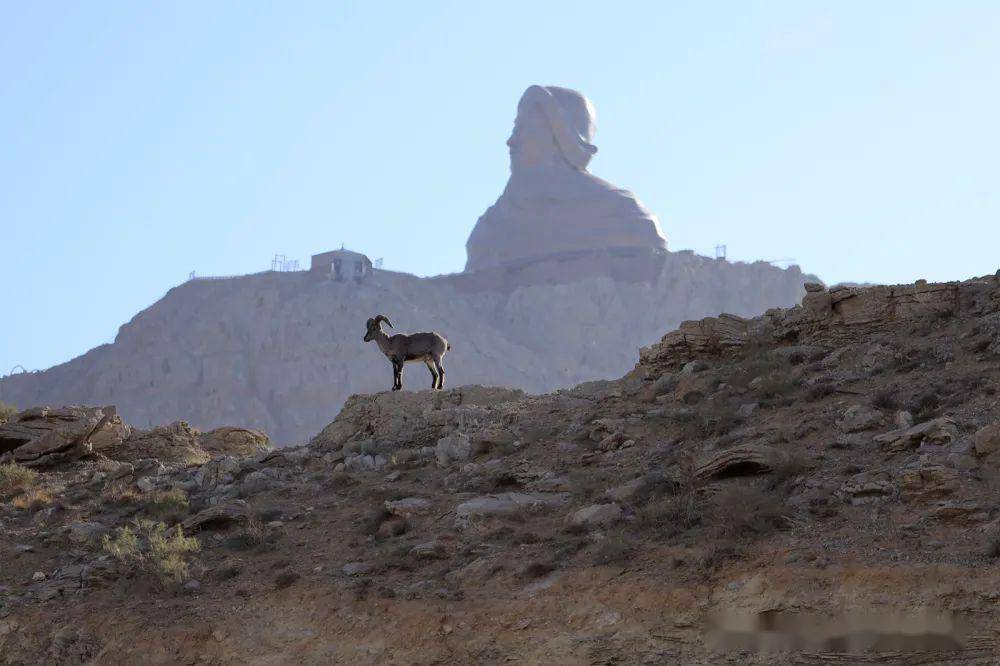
(380,318)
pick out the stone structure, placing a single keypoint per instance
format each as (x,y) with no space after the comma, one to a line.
(552,205)
(341,265)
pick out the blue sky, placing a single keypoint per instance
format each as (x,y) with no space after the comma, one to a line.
(141,141)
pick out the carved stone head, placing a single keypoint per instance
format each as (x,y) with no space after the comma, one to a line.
(554,128)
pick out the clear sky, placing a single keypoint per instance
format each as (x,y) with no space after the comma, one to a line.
(142,140)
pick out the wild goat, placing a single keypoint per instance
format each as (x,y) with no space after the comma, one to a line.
(401,349)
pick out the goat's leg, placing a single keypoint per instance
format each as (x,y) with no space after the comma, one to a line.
(434,374)
(397,376)
(440,377)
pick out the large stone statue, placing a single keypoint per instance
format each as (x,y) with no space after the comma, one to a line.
(552,204)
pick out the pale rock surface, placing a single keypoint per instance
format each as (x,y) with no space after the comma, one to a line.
(506,504)
(596,515)
(552,205)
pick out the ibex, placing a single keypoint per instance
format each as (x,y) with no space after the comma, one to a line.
(401,349)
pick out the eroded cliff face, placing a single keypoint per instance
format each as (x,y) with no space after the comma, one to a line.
(282,351)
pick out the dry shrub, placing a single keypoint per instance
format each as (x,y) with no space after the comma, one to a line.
(168,505)
(32,500)
(885,399)
(586,483)
(718,417)
(678,506)
(720,554)
(740,512)
(817,392)
(925,406)
(617,547)
(122,493)
(776,385)
(788,467)
(6,411)
(16,478)
(251,534)
(148,546)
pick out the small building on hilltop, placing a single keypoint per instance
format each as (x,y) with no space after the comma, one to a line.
(341,265)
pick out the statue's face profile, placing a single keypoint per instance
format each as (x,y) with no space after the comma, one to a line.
(546,117)
(531,142)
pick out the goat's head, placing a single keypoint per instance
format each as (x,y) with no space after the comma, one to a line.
(375,326)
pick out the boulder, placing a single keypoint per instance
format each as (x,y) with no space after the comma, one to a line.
(507,504)
(987,439)
(940,431)
(867,488)
(635,489)
(408,506)
(410,419)
(858,418)
(357,568)
(432,550)
(596,515)
(453,448)
(176,442)
(960,512)
(230,441)
(926,481)
(46,436)
(220,515)
(740,461)
(490,439)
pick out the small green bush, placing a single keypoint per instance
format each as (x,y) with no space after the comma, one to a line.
(6,411)
(149,546)
(169,506)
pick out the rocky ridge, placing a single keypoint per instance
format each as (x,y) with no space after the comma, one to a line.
(281,352)
(748,493)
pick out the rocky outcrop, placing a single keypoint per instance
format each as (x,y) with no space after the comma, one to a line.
(740,460)
(825,315)
(281,352)
(44,436)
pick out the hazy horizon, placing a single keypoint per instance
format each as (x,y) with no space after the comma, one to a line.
(146,142)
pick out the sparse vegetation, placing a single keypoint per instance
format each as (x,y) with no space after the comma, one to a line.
(776,385)
(32,500)
(992,549)
(149,546)
(617,547)
(925,406)
(741,512)
(677,507)
(169,506)
(817,392)
(885,400)
(253,533)
(16,478)
(587,483)
(6,411)
(719,417)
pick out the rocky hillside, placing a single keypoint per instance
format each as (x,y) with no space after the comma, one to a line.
(817,485)
(282,351)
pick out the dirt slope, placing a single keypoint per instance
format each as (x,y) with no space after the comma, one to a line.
(814,486)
